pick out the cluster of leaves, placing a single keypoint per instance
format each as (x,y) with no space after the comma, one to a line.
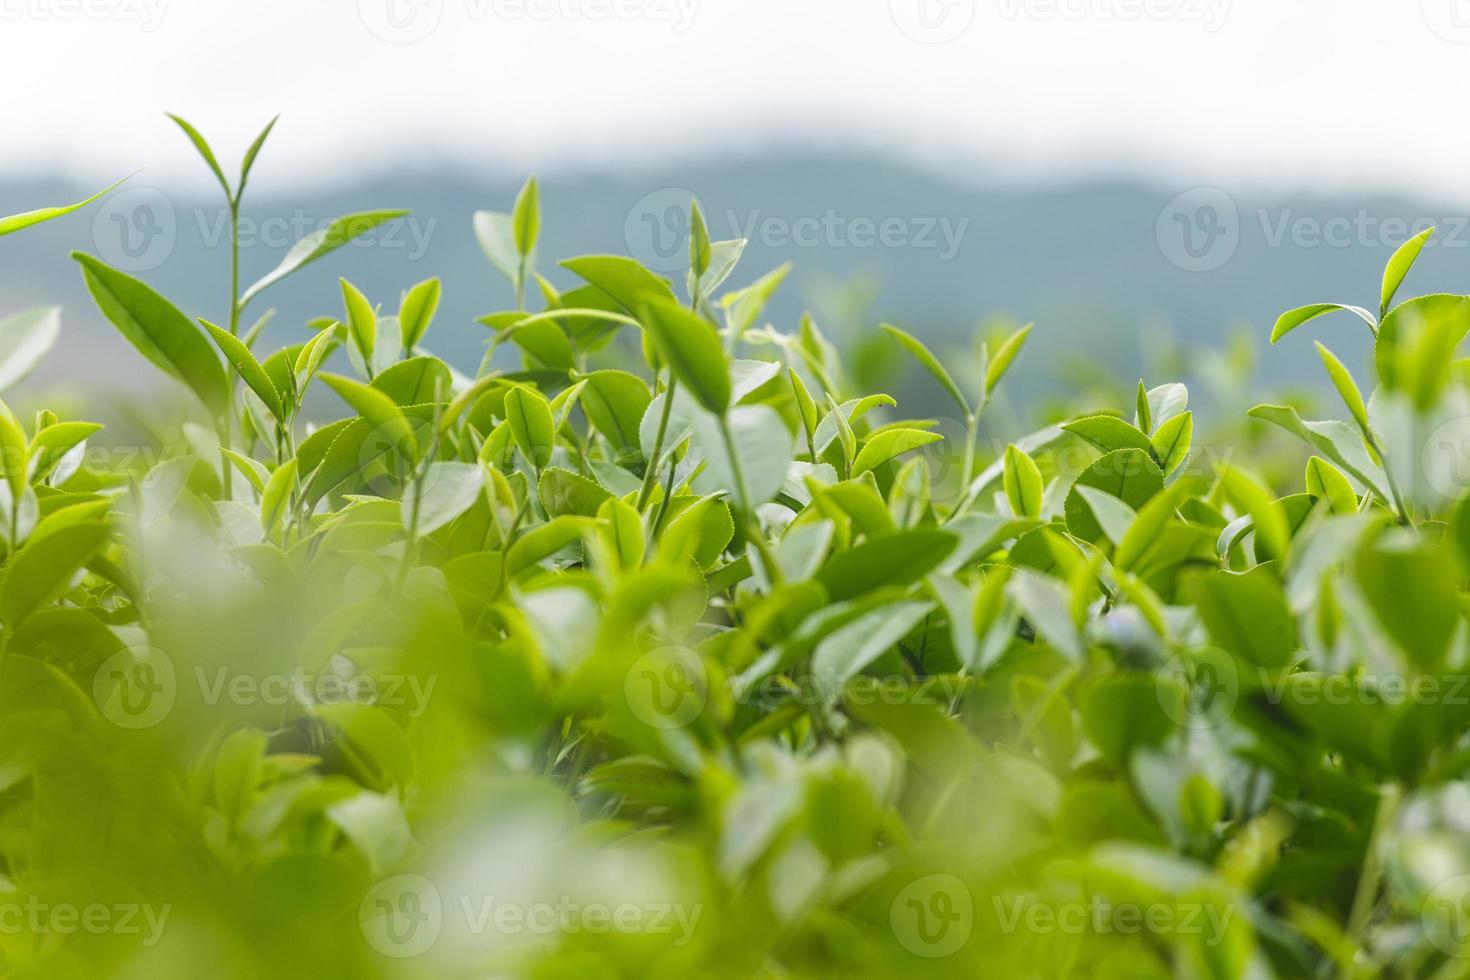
(714,635)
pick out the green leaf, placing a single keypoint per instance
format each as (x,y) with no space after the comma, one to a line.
(723,258)
(839,421)
(1250,496)
(526,218)
(53,442)
(629,284)
(692,349)
(14,458)
(42,569)
(16,222)
(698,533)
(745,306)
(416,381)
(620,531)
(615,403)
(1347,388)
(1001,362)
(1292,319)
(1108,433)
(698,241)
(447,490)
(542,542)
(1047,605)
(1111,514)
(1143,416)
(496,234)
(1326,482)
(24,340)
(531,424)
(384,417)
(158,330)
(1171,442)
(313,352)
(1246,615)
(337,233)
(1398,267)
(1443,315)
(275,499)
(417,312)
(249,368)
(362,320)
(898,558)
(931,364)
(1333,439)
(890,444)
(249,161)
(847,651)
(253,471)
(1022,482)
(762,449)
(1147,528)
(1124,712)
(1131,475)
(565,492)
(202,145)
(806,406)
(1398,567)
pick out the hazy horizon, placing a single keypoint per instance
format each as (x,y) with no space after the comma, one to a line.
(1179,93)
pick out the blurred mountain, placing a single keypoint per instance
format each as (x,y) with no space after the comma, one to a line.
(1104,268)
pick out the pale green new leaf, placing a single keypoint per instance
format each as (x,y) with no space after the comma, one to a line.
(26,219)
(158,330)
(337,233)
(1398,267)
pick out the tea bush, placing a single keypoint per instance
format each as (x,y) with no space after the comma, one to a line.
(716,666)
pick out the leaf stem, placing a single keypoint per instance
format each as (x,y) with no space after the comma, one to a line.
(1368,880)
(650,472)
(753,531)
(967,468)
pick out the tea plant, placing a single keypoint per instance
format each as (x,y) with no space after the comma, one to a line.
(717,667)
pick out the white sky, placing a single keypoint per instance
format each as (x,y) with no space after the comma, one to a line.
(1314,94)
